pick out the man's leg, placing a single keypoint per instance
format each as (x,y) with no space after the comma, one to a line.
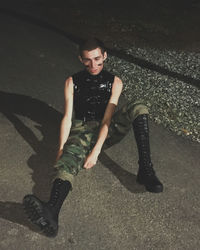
(146,174)
(45,215)
(135,114)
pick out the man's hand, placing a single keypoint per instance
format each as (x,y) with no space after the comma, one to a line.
(91,160)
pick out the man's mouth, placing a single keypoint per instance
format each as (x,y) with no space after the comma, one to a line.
(93,70)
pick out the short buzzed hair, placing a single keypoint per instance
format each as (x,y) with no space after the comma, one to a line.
(90,44)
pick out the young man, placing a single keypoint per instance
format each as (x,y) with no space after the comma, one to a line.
(93,95)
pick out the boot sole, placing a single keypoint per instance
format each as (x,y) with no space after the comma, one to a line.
(35,210)
(157,189)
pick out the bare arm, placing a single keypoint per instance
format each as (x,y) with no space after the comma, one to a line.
(116,92)
(67,118)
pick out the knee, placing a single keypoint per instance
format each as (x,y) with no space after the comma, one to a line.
(136,109)
(65,176)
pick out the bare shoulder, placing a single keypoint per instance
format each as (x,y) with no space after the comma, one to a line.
(117,84)
(69,82)
(116,90)
(118,80)
(69,86)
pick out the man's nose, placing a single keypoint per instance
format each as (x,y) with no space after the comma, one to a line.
(93,64)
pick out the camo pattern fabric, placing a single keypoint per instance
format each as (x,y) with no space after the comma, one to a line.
(122,121)
(81,140)
(83,137)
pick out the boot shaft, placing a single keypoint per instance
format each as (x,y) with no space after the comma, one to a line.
(141,132)
(59,192)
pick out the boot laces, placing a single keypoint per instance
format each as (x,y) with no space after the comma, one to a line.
(56,194)
(148,170)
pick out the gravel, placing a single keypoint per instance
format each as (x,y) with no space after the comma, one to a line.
(171,101)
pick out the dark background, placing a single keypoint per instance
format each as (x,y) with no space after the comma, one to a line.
(172,24)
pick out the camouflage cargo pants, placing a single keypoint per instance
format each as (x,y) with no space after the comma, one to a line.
(83,137)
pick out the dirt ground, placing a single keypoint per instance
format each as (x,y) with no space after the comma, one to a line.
(167,25)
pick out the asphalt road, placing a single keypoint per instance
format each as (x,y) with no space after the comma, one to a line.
(106,209)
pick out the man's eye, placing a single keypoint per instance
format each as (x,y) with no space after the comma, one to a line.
(86,61)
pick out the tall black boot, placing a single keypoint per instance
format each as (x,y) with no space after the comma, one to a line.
(146,174)
(45,215)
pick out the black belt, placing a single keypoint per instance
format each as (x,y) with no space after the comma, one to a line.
(87,119)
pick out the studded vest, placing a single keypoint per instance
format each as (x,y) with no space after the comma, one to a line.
(91,94)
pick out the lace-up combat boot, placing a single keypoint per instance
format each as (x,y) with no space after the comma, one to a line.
(146,174)
(45,215)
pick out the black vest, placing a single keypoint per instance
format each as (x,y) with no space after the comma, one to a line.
(91,94)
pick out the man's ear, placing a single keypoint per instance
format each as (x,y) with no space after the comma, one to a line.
(80,58)
(105,55)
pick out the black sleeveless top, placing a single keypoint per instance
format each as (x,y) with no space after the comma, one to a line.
(91,94)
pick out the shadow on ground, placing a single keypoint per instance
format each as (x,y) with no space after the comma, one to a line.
(41,162)
(127,179)
(13,106)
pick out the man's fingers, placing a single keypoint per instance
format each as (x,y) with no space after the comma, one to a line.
(86,165)
(89,165)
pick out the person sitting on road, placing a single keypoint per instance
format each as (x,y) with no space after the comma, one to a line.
(89,125)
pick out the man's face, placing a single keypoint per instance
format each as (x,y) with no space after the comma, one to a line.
(93,60)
